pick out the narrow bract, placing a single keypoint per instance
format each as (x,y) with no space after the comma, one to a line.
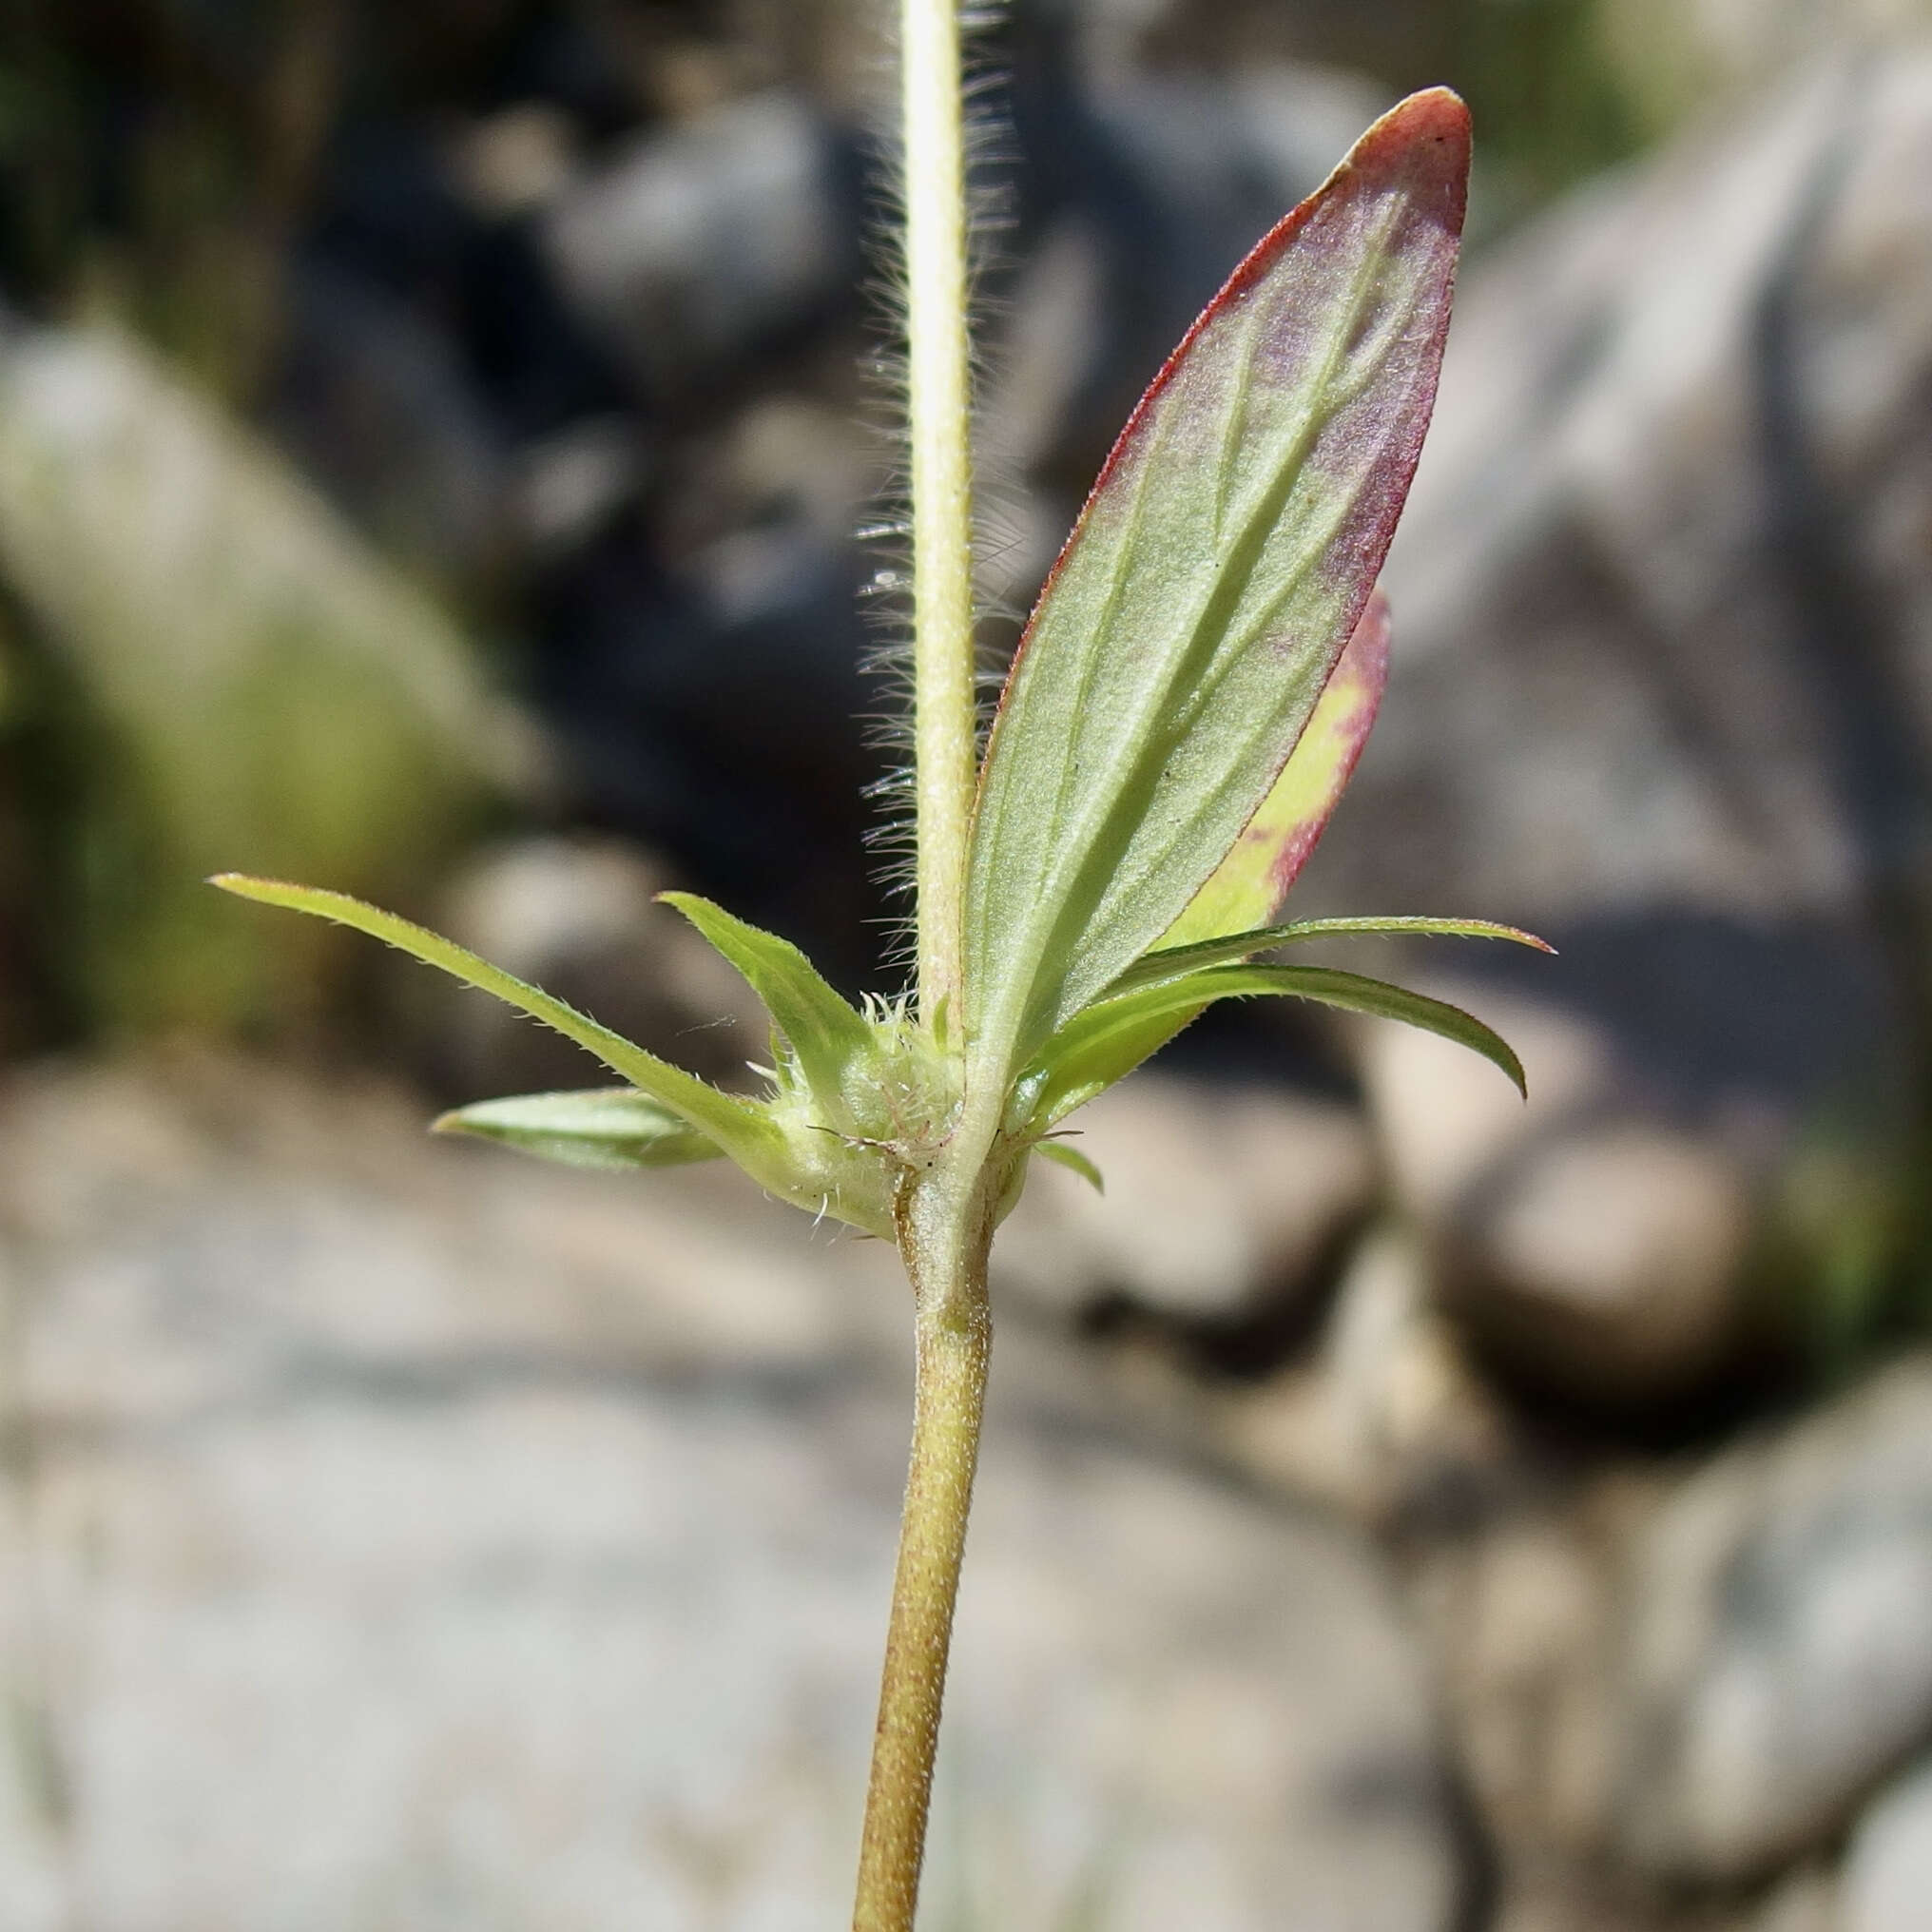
(606,1127)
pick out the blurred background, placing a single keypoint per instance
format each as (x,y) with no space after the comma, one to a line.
(437,444)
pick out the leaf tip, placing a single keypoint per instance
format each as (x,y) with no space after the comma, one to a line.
(267,891)
(1438,113)
(1054,1148)
(1517,936)
(1436,117)
(1426,141)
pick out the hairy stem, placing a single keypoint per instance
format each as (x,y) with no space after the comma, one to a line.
(939,412)
(944,1221)
(945,1255)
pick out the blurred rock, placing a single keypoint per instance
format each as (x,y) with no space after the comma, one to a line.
(425,1536)
(784,468)
(716,239)
(1808,1902)
(1447,1118)
(1385,1420)
(255,690)
(1886,1884)
(1524,1618)
(406,239)
(517,160)
(578,917)
(1779,1657)
(1619,1250)
(1593,1252)
(376,406)
(572,483)
(20,934)
(1221,1204)
(1521,1603)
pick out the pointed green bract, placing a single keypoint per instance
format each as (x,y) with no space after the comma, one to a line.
(1176,962)
(1136,1018)
(1248,886)
(606,1127)
(1062,1155)
(798,1158)
(740,1127)
(1105,1043)
(1215,576)
(829,1039)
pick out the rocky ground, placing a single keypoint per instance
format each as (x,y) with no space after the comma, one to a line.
(402,1536)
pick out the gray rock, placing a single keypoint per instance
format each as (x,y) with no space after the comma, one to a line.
(517,160)
(376,405)
(570,484)
(1886,1886)
(1385,1419)
(1807,1902)
(1525,1632)
(1220,1204)
(1779,1657)
(705,242)
(414,1537)
(1594,1250)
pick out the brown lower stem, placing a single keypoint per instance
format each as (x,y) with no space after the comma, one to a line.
(955,1332)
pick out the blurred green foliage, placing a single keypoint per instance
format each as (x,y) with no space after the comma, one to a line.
(1553,103)
(209,667)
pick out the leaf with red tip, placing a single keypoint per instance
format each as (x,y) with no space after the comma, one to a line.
(1220,566)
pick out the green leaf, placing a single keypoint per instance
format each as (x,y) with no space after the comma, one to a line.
(1057,1150)
(827,1036)
(1176,962)
(740,1127)
(606,1126)
(1110,1040)
(1217,571)
(1250,884)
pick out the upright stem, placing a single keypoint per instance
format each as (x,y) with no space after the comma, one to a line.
(947,1262)
(945,1222)
(938,411)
